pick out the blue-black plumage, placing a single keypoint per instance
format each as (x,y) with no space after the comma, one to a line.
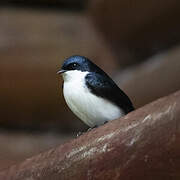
(91,94)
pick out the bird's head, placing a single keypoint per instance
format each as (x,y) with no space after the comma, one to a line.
(76,66)
(72,63)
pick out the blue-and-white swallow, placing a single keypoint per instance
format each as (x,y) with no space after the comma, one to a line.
(91,94)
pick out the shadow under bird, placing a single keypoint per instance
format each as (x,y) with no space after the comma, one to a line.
(91,94)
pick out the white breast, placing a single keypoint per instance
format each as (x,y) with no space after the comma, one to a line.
(92,110)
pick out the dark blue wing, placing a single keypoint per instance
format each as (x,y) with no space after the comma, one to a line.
(105,87)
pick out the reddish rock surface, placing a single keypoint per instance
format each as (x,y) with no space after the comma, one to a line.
(137,29)
(155,78)
(142,145)
(16,146)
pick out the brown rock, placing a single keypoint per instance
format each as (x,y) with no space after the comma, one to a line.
(142,145)
(157,77)
(137,29)
(16,146)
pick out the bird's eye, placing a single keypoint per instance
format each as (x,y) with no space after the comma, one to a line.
(73,66)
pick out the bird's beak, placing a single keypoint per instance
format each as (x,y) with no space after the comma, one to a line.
(61,71)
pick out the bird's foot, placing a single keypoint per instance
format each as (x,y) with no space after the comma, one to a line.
(81,133)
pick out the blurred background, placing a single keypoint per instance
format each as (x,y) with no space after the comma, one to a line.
(136,42)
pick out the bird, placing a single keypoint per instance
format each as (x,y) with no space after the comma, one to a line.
(91,94)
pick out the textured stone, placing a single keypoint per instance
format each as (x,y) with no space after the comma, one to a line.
(142,145)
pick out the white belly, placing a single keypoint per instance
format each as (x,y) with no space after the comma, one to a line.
(92,110)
